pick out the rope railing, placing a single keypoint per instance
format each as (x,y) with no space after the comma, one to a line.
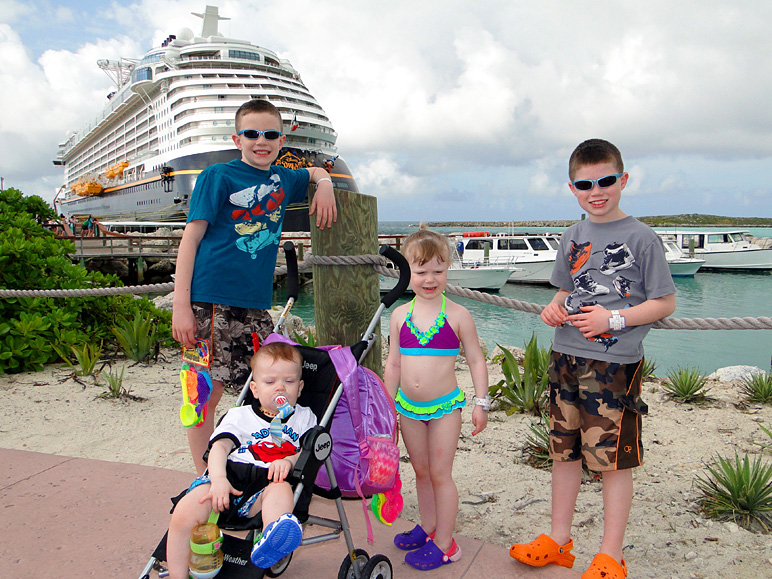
(379,265)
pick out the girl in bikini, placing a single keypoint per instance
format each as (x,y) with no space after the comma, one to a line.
(425,335)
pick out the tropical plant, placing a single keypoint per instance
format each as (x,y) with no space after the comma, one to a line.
(647,371)
(686,385)
(537,442)
(137,337)
(524,392)
(114,384)
(739,491)
(87,357)
(768,432)
(758,388)
(309,340)
(34,330)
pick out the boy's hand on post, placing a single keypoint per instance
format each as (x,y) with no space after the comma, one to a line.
(323,204)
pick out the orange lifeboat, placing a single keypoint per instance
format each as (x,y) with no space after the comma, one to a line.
(116,170)
(86,188)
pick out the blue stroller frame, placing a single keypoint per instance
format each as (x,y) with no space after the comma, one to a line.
(316,446)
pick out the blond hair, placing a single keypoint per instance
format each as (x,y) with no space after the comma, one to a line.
(424,245)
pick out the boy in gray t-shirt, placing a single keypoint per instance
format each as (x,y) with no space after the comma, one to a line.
(614,282)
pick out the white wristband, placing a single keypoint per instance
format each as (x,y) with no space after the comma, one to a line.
(485,402)
(616,322)
(323,179)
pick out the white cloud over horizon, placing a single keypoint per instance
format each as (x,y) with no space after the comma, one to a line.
(460,109)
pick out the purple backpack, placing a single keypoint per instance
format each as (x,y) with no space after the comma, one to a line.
(365,456)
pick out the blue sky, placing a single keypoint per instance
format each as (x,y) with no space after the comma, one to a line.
(452,110)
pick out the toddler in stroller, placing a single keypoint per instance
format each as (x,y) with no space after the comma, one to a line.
(251,455)
(317,399)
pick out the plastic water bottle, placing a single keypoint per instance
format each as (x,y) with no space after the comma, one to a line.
(206,549)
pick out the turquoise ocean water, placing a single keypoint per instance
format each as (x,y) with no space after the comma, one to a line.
(706,295)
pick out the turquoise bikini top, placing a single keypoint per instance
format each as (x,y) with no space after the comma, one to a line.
(439,340)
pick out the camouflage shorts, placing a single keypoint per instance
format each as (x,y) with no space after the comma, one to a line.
(595,412)
(231,338)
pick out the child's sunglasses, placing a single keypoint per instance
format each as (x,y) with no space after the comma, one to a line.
(603,182)
(270,134)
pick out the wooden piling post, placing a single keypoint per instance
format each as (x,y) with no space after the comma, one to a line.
(347,296)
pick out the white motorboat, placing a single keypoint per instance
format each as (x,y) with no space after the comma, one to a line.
(171,114)
(531,257)
(680,265)
(489,278)
(722,250)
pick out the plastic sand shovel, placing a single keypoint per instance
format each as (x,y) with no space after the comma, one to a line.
(188,414)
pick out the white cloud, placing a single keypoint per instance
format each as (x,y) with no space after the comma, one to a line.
(443,100)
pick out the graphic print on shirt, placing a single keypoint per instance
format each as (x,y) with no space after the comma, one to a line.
(268,451)
(258,223)
(617,257)
(578,255)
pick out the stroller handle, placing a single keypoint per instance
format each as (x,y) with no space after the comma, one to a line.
(404,274)
(292,269)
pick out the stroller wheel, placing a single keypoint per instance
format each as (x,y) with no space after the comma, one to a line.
(377,567)
(280,567)
(346,568)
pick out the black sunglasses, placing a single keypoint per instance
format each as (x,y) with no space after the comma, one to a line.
(603,182)
(270,134)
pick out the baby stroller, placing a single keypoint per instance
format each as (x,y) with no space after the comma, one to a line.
(321,394)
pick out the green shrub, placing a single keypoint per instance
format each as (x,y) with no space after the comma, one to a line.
(758,388)
(686,385)
(114,384)
(738,491)
(647,371)
(537,442)
(136,338)
(524,392)
(34,331)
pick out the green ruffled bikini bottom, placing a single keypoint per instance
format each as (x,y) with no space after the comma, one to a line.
(436,408)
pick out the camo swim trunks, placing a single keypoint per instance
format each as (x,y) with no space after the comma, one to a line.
(231,338)
(595,412)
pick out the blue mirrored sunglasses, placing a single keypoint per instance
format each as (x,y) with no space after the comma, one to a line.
(270,134)
(603,182)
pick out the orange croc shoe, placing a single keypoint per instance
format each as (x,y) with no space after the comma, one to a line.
(605,567)
(543,551)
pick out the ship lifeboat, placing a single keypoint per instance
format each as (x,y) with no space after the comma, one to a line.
(476,234)
(86,188)
(116,170)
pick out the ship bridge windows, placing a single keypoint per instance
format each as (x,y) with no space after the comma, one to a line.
(142,74)
(244,54)
(538,244)
(512,244)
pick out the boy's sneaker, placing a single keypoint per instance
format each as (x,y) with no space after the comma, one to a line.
(543,551)
(278,540)
(617,258)
(605,567)
(585,285)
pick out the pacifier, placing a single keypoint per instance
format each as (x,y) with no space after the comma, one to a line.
(284,408)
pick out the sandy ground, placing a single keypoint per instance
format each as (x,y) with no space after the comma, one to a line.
(503,500)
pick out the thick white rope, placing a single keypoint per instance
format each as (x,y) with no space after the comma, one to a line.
(379,264)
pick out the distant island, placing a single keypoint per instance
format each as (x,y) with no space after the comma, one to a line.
(683,220)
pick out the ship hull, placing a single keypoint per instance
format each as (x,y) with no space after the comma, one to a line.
(166,197)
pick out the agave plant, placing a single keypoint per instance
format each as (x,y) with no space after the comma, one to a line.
(114,384)
(537,442)
(86,356)
(524,392)
(137,338)
(686,385)
(738,490)
(758,388)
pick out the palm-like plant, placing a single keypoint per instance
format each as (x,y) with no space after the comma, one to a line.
(137,338)
(686,385)
(738,491)
(758,388)
(524,392)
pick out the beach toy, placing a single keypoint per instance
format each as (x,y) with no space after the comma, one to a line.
(387,506)
(196,391)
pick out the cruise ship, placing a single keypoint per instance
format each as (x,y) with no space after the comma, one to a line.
(171,115)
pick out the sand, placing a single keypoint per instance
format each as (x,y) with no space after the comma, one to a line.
(503,500)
